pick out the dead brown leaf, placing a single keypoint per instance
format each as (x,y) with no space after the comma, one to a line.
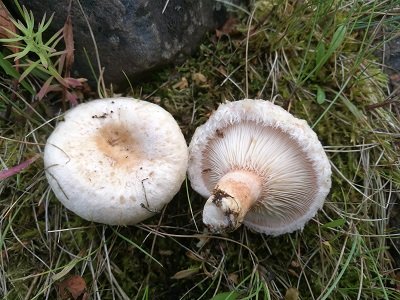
(166,252)
(5,22)
(295,264)
(73,288)
(182,84)
(199,78)
(395,82)
(234,278)
(292,294)
(69,44)
(6,26)
(222,70)
(229,28)
(397,281)
(185,273)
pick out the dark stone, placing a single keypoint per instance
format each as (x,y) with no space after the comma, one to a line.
(393,55)
(133,36)
(394,228)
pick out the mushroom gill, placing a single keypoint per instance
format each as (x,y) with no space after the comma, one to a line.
(259,165)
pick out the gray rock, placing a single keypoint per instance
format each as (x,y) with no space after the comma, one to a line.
(393,54)
(132,36)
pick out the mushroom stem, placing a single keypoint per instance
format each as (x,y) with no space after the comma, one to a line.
(235,193)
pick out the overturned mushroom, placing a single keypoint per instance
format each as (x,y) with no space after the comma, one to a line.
(258,165)
(116,161)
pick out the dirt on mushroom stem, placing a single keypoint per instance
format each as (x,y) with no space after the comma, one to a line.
(233,196)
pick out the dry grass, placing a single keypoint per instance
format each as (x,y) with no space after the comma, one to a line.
(283,51)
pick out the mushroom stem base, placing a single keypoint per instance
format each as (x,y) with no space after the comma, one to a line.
(233,196)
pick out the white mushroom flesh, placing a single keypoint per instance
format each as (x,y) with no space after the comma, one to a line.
(259,138)
(116,161)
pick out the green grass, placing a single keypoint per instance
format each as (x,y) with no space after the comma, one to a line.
(316,59)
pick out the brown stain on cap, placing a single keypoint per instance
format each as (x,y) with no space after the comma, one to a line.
(119,144)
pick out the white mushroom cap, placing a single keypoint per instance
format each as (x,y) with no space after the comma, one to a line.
(282,153)
(116,161)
